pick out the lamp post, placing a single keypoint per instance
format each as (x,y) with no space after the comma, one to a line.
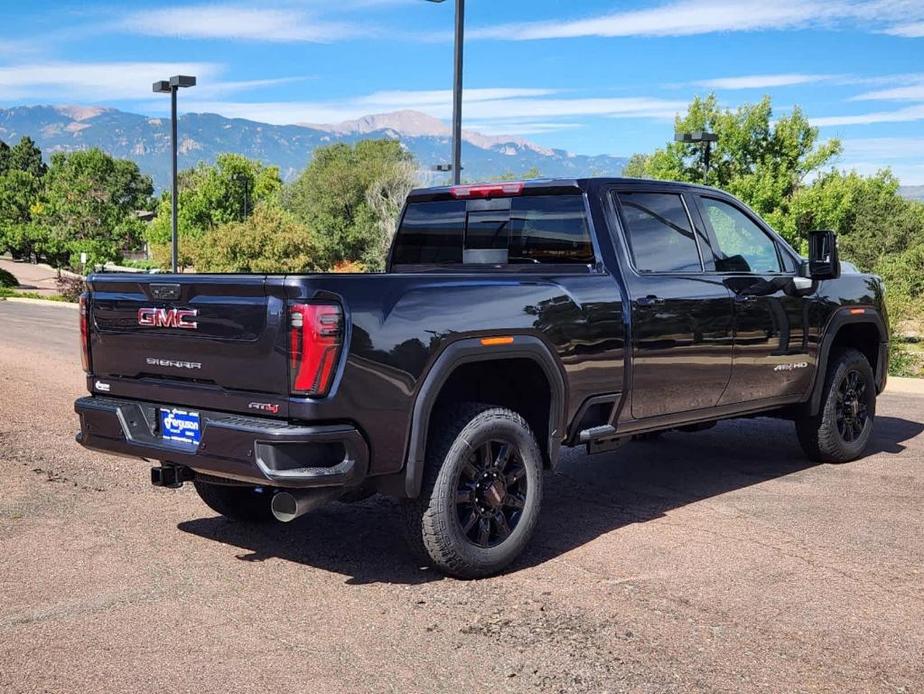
(171,87)
(699,136)
(457,92)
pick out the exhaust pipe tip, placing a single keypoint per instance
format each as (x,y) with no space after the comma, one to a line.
(287,506)
(284,507)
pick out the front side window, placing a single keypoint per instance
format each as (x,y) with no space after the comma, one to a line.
(742,246)
(659,233)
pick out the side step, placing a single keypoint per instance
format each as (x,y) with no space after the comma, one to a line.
(602,439)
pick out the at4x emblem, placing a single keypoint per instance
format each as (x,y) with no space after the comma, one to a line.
(151,317)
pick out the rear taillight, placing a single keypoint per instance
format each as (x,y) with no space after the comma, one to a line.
(84,334)
(315,338)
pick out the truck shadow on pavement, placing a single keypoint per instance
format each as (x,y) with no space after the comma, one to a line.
(585,498)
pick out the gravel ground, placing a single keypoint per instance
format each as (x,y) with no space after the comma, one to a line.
(714,561)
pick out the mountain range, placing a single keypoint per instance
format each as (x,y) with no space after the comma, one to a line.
(203,136)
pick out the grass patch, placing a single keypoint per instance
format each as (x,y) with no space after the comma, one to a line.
(7,293)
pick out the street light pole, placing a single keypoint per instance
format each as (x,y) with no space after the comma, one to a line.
(457,94)
(458,50)
(173,187)
(172,86)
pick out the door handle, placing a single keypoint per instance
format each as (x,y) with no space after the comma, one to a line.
(650,300)
(745,298)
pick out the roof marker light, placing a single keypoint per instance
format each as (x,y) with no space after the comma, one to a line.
(492,190)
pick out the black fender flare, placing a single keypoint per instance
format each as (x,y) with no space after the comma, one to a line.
(470,350)
(848,316)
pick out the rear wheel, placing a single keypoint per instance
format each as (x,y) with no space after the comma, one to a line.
(237,502)
(843,426)
(481,492)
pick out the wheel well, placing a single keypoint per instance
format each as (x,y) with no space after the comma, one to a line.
(861,336)
(518,384)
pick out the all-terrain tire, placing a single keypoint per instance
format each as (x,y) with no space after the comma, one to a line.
(836,434)
(237,502)
(466,445)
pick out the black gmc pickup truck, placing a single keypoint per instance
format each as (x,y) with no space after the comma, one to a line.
(513,319)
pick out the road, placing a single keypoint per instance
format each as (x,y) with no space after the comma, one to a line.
(714,561)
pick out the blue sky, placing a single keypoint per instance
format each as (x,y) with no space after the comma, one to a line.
(595,76)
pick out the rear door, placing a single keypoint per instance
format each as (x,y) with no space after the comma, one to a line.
(771,355)
(223,333)
(681,329)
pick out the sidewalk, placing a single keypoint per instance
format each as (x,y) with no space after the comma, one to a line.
(907,386)
(34,278)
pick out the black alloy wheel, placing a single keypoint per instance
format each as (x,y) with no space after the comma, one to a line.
(491,493)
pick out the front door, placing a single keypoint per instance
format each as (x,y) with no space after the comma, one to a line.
(771,357)
(681,326)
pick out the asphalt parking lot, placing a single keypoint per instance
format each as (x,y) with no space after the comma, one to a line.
(714,561)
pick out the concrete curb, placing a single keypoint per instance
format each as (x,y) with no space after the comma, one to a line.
(40,302)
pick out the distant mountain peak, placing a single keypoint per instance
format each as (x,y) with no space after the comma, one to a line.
(406,122)
(80,113)
(409,123)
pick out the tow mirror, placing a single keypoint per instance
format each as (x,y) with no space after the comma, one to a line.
(824,263)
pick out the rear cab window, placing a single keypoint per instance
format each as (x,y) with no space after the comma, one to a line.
(527,230)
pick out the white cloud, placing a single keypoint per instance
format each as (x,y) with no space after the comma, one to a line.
(228,21)
(439,97)
(691,17)
(907,174)
(481,105)
(913,92)
(913,30)
(760,81)
(57,81)
(884,148)
(902,115)
(519,127)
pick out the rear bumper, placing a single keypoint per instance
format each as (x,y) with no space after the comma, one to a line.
(248,449)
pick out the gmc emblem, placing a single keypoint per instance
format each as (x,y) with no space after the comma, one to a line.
(151,317)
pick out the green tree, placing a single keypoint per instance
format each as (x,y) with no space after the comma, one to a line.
(19,193)
(269,240)
(210,196)
(90,205)
(872,220)
(332,196)
(4,157)
(26,156)
(759,158)
(530,173)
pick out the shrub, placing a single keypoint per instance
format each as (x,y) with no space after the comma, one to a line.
(7,279)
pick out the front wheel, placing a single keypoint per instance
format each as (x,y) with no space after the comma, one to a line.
(843,426)
(481,493)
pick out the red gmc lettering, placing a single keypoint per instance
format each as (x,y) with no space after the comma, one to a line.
(151,317)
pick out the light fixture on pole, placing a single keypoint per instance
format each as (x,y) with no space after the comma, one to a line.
(457,92)
(702,137)
(171,87)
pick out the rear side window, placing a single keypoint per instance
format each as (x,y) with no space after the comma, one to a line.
(659,233)
(533,229)
(430,234)
(549,229)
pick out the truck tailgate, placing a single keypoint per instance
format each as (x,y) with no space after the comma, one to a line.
(223,332)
